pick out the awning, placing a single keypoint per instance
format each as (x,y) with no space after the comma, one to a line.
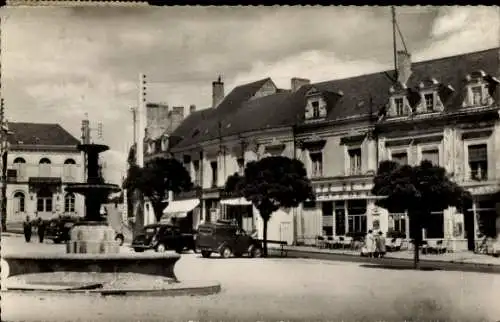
(181,206)
(235,202)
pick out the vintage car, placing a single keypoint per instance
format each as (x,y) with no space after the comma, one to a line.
(58,229)
(162,237)
(227,239)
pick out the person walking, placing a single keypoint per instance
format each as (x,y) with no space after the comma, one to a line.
(380,245)
(41,229)
(370,243)
(27,229)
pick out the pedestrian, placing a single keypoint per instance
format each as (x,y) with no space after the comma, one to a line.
(381,245)
(27,227)
(41,229)
(370,243)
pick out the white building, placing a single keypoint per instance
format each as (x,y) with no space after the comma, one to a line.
(42,160)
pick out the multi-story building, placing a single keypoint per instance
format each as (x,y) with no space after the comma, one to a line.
(444,110)
(42,160)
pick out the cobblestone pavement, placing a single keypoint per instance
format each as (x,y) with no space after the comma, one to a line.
(277,289)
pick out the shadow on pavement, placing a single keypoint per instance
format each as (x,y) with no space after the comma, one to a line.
(395,267)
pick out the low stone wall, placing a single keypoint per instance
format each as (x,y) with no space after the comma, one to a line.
(160,264)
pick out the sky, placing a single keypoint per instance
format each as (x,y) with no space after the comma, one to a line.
(59,63)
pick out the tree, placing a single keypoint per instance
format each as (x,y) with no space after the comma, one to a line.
(417,190)
(156,179)
(270,184)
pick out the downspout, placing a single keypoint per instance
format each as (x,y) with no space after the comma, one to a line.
(202,208)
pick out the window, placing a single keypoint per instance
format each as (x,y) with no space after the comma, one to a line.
(315,106)
(477,95)
(69,202)
(19,202)
(20,166)
(69,169)
(44,167)
(44,201)
(431,155)
(196,168)
(397,222)
(399,106)
(214,167)
(356,213)
(241,166)
(478,161)
(317,164)
(429,102)
(400,157)
(355,161)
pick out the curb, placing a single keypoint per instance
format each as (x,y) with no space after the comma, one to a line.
(181,291)
(489,268)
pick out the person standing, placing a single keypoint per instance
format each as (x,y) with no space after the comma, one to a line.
(381,245)
(41,229)
(370,243)
(27,228)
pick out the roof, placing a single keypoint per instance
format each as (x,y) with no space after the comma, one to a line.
(40,134)
(346,98)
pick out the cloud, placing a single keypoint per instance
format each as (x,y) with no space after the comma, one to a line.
(60,63)
(462,29)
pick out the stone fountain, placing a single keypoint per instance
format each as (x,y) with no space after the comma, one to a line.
(92,261)
(93,235)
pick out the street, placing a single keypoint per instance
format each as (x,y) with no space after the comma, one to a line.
(276,289)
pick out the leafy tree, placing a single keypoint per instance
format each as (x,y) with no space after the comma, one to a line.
(270,184)
(418,190)
(156,179)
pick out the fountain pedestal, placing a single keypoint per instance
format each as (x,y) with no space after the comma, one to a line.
(93,238)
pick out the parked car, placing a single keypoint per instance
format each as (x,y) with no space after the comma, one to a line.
(162,237)
(58,229)
(226,239)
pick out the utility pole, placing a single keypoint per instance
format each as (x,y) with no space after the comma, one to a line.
(393,11)
(134,120)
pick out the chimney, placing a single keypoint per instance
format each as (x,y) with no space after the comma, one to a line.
(297,83)
(176,118)
(192,108)
(217,92)
(404,66)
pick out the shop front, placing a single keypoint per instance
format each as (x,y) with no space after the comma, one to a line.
(183,213)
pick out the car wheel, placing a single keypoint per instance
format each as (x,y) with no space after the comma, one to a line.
(256,252)
(160,248)
(205,253)
(225,252)
(138,250)
(120,240)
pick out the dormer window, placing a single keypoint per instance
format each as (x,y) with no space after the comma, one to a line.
(315,106)
(477,89)
(477,95)
(399,106)
(429,102)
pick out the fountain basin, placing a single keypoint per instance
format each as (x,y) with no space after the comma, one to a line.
(160,264)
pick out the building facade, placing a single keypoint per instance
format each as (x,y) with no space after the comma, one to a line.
(444,110)
(42,161)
